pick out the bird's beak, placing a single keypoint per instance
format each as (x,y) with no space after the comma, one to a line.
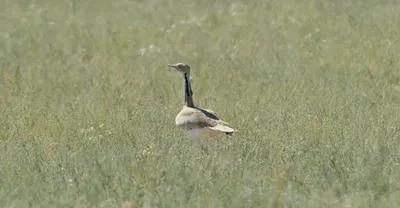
(174,66)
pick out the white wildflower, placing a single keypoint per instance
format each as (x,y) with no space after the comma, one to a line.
(142,51)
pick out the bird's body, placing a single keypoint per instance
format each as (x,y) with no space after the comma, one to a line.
(200,124)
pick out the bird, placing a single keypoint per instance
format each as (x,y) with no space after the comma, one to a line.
(198,123)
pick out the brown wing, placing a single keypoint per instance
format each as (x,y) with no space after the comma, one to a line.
(190,118)
(213,121)
(212,112)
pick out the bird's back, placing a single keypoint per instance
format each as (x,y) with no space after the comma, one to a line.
(190,118)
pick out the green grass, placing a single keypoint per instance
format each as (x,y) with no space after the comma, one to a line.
(88,104)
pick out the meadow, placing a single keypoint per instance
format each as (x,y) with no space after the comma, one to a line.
(88,104)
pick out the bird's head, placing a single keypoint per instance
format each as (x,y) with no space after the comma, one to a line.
(181,67)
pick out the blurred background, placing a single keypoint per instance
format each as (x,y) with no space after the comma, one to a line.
(88,104)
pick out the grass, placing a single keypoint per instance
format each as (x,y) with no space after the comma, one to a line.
(87,103)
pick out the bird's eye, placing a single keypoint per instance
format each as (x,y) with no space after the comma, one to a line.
(180,66)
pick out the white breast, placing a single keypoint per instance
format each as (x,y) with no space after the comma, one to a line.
(201,134)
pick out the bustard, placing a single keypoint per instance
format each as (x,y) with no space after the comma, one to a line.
(200,124)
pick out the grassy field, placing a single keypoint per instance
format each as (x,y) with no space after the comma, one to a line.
(88,104)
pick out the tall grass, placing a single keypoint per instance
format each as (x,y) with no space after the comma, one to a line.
(87,103)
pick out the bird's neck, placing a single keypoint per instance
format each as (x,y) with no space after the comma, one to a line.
(188,93)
